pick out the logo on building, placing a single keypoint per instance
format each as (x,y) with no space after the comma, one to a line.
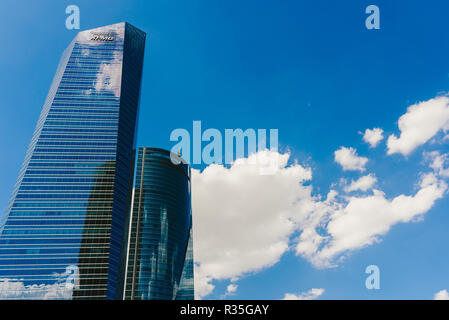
(96,36)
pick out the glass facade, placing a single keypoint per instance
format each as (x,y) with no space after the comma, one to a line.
(160,229)
(64,233)
(186,285)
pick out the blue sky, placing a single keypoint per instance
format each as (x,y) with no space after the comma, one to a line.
(308,68)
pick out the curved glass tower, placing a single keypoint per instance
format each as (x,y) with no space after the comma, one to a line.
(64,232)
(160,229)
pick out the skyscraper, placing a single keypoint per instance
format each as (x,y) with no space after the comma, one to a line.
(64,236)
(160,254)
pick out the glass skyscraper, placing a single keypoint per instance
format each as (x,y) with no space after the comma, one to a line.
(65,232)
(160,254)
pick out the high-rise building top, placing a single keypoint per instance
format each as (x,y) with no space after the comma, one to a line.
(160,259)
(66,222)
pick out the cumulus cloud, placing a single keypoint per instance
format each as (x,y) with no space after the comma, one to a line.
(312,294)
(421,122)
(438,162)
(245,221)
(441,295)
(232,288)
(203,285)
(373,136)
(242,218)
(355,222)
(363,183)
(349,160)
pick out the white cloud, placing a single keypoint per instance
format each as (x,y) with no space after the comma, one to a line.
(242,219)
(373,136)
(438,162)
(349,160)
(441,295)
(203,286)
(356,222)
(245,221)
(420,123)
(232,288)
(309,295)
(363,183)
